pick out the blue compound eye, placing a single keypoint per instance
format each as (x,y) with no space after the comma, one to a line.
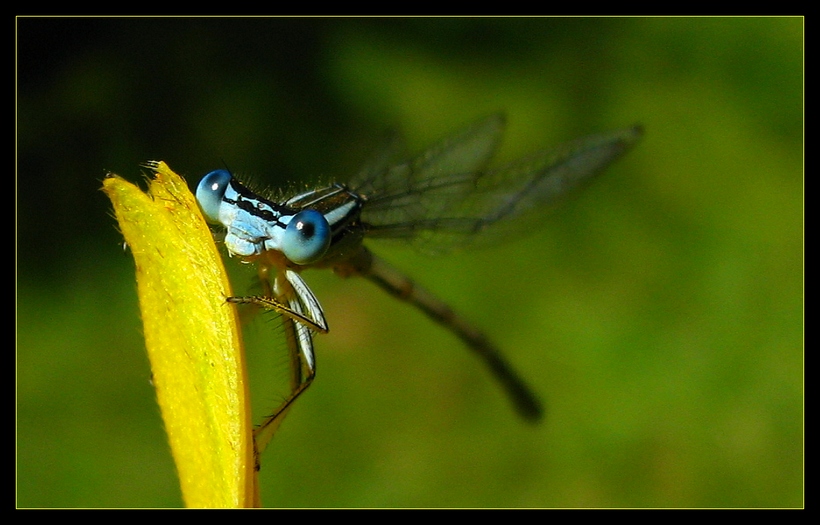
(209,193)
(307,237)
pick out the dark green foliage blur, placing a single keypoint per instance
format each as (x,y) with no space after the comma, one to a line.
(659,313)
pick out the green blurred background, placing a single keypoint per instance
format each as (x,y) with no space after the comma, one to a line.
(659,313)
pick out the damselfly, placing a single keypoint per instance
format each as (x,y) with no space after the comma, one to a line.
(444,198)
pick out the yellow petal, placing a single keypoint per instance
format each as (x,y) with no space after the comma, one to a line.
(192,337)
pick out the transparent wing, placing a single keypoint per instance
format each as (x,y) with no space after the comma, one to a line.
(441,199)
(383,177)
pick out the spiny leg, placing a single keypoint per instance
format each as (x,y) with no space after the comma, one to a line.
(298,337)
(290,297)
(269,303)
(301,378)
